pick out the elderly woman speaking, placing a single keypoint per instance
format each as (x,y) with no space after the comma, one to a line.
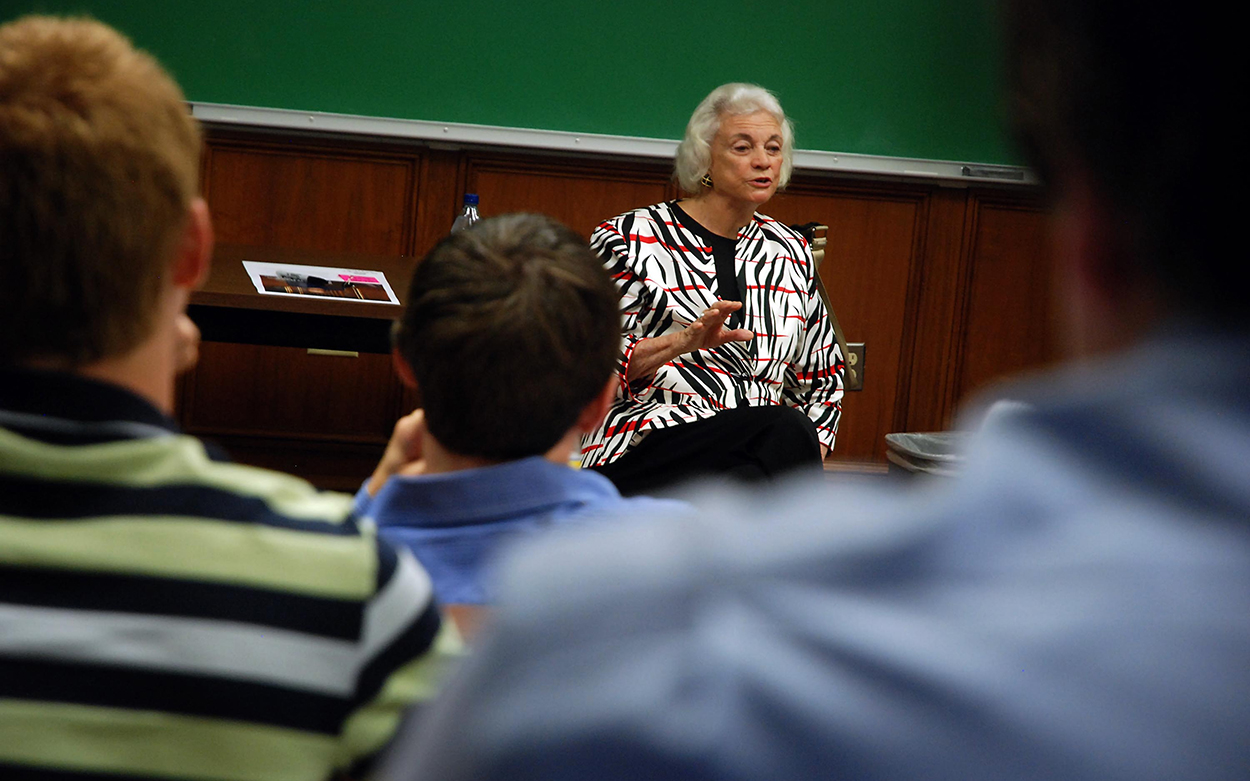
(729,363)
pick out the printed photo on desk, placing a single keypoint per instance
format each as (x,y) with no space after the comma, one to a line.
(348,284)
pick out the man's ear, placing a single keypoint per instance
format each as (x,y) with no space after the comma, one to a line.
(194,249)
(594,412)
(403,369)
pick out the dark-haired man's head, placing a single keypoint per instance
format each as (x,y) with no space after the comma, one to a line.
(99,168)
(511,332)
(1128,112)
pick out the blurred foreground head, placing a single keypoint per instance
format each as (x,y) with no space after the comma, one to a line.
(1133,105)
(99,161)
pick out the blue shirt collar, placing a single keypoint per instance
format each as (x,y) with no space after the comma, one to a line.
(468,497)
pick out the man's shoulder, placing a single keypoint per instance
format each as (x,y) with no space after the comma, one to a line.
(197,517)
(674,612)
(1031,492)
(233,493)
(183,560)
(803,621)
(661,507)
(663,545)
(121,448)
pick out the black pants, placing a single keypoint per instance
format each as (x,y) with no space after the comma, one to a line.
(748,444)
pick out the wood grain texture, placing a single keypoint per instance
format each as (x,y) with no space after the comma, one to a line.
(936,314)
(580,193)
(306,196)
(441,192)
(1009,319)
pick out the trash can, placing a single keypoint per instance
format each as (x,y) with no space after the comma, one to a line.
(927,452)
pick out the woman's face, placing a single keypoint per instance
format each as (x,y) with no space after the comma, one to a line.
(746,157)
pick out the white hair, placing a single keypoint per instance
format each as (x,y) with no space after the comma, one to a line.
(694,153)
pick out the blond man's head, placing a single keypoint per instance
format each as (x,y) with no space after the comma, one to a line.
(99,163)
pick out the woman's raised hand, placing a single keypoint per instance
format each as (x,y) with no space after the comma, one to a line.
(706,333)
(709,330)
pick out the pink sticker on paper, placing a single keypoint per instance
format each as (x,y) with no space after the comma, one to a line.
(363,280)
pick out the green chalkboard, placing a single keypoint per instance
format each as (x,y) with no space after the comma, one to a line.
(901,78)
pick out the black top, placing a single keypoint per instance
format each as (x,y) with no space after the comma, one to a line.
(724,253)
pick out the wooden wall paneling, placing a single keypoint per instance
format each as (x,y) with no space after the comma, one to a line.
(305,195)
(872,247)
(1009,319)
(937,313)
(442,194)
(581,193)
(441,186)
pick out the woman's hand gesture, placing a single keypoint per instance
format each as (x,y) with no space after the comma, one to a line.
(706,333)
(709,330)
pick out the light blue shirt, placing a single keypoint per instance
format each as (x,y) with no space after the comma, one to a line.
(1075,604)
(457,522)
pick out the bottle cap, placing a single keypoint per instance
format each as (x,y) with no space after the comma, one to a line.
(470,198)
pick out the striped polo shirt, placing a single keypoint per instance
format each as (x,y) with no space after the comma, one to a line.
(168,614)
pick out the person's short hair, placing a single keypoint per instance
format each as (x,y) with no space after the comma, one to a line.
(1142,105)
(511,328)
(99,162)
(694,153)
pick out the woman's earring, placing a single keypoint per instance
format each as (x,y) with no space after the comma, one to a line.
(706,181)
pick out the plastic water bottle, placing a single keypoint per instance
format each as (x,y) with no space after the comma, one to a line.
(468,214)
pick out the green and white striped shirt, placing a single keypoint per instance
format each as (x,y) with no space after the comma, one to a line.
(167,614)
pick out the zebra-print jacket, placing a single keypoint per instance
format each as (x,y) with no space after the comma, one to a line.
(667,277)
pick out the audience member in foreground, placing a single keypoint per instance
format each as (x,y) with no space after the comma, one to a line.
(511,334)
(162,614)
(1075,605)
